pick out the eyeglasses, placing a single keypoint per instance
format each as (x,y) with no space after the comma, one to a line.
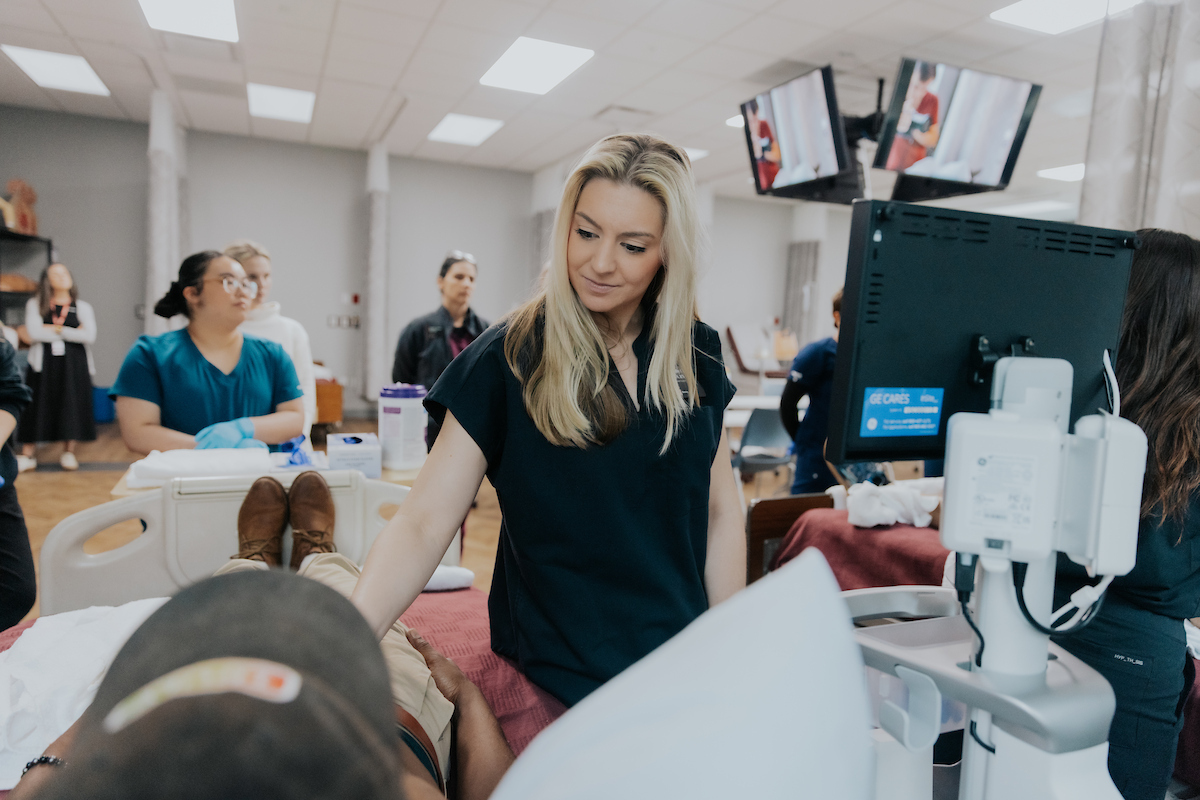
(232,284)
(459,255)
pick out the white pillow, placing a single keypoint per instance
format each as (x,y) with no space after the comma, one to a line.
(762,696)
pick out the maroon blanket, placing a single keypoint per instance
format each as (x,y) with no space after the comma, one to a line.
(864,557)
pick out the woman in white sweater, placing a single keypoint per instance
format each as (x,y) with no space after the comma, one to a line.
(62,329)
(264,321)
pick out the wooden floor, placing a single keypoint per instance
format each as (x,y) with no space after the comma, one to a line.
(48,495)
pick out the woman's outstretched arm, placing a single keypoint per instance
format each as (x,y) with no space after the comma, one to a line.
(410,546)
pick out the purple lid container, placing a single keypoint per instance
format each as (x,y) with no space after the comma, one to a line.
(402,390)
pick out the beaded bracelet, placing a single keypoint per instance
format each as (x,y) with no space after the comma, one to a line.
(53,761)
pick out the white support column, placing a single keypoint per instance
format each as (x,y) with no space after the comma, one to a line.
(377,367)
(162,230)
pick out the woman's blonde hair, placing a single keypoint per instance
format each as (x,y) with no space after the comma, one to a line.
(553,344)
(243,249)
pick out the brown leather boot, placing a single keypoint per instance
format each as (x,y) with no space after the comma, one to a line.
(311,515)
(261,521)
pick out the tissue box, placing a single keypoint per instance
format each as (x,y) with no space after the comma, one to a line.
(358,451)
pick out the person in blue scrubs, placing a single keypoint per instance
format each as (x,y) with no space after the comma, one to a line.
(812,375)
(207,385)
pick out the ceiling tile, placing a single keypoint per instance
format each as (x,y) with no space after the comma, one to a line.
(368,23)
(420,114)
(134,98)
(846,50)
(773,34)
(447,64)
(659,48)
(369,51)
(573,29)
(573,141)
(498,17)
(601,82)
(289,60)
(422,78)
(114,31)
(726,62)
(671,90)
(442,151)
(346,111)
(38,40)
(212,112)
(203,68)
(747,5)
(278,129)
(494,103)
(17,89)
(833,16)
(98,53)
(911,21)
(29,15)
(476,47)
(90,104)
(694,19)
(362,72)
(281,77)
(420,9)
(124,74)
(292,38)
(313,14)
(631,11)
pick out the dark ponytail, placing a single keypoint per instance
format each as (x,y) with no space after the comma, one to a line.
(191,273)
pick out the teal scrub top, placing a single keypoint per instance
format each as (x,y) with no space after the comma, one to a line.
(171,372)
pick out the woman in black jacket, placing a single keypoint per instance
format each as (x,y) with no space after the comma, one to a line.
(429,343)
(18,588)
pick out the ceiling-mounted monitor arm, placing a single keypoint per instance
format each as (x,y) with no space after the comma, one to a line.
(866,127)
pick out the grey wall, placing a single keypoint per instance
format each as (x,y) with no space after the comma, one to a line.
(308,206)
(90,175)
(438,207)
(744,280)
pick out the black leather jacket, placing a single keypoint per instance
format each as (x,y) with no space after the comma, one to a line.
(423,352)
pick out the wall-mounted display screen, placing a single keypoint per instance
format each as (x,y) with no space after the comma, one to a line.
(949,124)
(796,140)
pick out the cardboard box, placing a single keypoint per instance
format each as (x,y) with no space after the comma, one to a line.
(360,451)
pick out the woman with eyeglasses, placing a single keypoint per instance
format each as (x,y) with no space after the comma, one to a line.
(207,385)
(63,329)
(430,343)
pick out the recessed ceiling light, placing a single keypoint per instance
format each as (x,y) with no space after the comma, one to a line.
(695,154)
(56,70)
(1058,16)
(462,129)
(535,66)
(207,19)
(736,122)
(1071,172)
(1045,209)
(276,102)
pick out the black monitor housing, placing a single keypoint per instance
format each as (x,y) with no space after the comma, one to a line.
(934,296)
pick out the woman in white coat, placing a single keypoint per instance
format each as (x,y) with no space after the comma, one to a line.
(62,329)
(264,321)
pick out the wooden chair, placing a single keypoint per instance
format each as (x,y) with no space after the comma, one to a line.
(768,521)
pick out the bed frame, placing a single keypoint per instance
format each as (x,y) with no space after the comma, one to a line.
(189,531)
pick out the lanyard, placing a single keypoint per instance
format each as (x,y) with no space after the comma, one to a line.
(59,319)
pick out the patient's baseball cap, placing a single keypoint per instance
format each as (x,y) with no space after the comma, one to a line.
(255,684)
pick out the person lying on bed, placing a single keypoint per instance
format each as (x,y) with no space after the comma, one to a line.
(207,385)
(181,696)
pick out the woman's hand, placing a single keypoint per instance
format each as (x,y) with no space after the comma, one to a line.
(448,678)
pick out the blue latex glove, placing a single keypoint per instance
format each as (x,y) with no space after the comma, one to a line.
(251,443)
(225,434)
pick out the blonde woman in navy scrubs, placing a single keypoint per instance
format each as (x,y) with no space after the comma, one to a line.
(595,410)
(207,385)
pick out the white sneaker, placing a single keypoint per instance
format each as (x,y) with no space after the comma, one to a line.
(68,461)
(26,463)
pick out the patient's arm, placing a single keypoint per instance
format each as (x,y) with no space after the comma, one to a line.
(482,754)
(32,782)
(142,429)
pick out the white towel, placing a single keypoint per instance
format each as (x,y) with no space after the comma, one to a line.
(160,467)
(869,505)
(50,676)
(446,578)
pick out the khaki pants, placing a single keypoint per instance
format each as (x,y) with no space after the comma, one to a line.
(413,688)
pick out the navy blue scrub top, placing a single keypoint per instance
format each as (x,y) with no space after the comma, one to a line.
(602,549)
(191,394)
